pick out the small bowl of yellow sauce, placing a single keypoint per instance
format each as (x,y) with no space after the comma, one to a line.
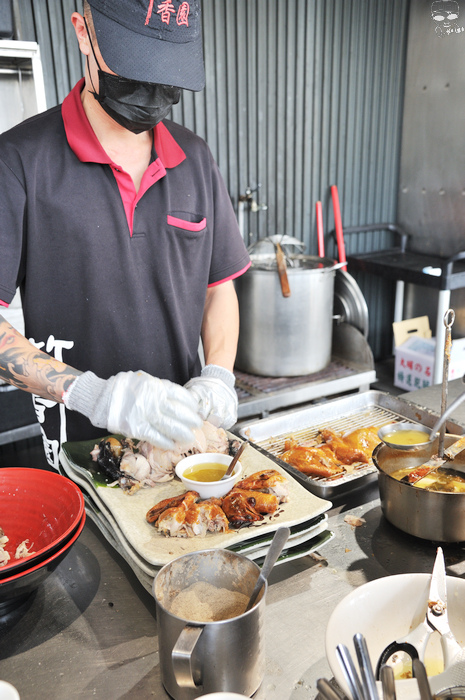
(203,473)
(405,436)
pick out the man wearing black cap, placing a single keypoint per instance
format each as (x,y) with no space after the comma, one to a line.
(118,229)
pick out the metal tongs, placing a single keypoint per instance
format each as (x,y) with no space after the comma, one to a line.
(414,644)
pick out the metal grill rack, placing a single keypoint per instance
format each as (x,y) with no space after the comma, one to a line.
(342,415)
(259,395)
(375,416)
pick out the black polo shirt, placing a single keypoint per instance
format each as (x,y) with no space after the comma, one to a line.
(111,279)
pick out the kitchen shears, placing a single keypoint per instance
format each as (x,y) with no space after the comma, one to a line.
(414,644)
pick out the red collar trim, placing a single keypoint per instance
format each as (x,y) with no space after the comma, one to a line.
(84,143)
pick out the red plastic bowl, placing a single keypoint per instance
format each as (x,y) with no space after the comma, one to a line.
(15,589)
(40,506)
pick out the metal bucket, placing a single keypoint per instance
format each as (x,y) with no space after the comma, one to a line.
(226,655)
(286,336)
(431,515)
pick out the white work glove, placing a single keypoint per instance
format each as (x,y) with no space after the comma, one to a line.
(136,405)
(216,396)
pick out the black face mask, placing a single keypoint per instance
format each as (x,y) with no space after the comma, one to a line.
(134,105)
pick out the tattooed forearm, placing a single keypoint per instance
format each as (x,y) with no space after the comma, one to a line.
(26,367)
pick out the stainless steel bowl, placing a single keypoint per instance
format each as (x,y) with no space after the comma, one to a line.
(431,515)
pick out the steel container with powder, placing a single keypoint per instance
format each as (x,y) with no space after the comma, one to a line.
(205,657)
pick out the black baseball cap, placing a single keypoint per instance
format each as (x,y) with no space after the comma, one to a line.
(154,41)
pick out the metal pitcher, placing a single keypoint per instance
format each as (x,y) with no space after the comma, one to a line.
(198,658)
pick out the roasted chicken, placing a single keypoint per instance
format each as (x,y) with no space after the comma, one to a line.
(204,517)
(354,447)
(268,481)
(333,455)
(239,509)
(262,502)
(144,465)
(186,516)
(207,439)
(318,460)
(155,512)
(171,521)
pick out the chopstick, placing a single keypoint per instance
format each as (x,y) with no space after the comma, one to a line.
(350,674)
(366,669)
(338,226)
(320,230)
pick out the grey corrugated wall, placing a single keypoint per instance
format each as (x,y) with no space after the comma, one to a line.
(300,95)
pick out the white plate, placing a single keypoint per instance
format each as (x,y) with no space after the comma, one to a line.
(100,522)
(130,511)
(102,511)
(8,691)
(302,550)
(299,533)
(309,536)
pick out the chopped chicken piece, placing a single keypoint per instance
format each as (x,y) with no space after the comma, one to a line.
(4,556)
(354,447)
(334,455)
(190,518)
(171,521)
(313,461)
(23,550)
(205,517)
(141,472)
(239,510)
(261,502)
(268,481)
(217,438)
(354,520)
(156,510)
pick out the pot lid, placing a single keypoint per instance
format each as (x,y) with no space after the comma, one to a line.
(267,246)
(349,302)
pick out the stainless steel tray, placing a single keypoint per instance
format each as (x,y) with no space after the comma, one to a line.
(341,415)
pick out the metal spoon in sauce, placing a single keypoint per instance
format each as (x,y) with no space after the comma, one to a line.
(234,461)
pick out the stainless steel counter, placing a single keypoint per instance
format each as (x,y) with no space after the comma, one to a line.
(90,630)
(430,397)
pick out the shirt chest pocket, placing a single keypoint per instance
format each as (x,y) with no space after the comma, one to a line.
(184,222)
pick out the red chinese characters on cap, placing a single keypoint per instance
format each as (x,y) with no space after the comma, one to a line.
(183,14)
(166,9)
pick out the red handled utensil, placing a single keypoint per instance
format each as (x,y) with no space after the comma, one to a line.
(320,230)
(338,226)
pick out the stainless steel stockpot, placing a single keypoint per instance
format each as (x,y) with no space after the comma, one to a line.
(198,658)
(431,515)
(286,336)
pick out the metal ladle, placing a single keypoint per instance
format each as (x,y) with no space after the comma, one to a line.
(414,426)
